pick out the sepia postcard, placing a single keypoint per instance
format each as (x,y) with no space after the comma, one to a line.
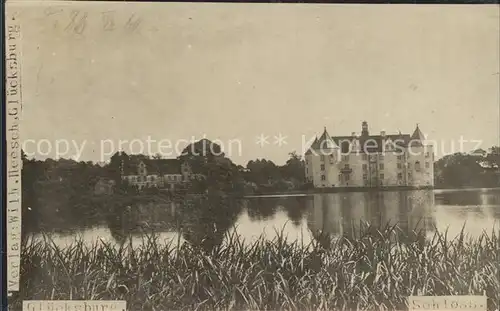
(238,156)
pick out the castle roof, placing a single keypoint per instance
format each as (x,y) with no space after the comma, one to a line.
(372,143)
(314,146)
(367,143)
(417,137)
(325,141)
(153,166)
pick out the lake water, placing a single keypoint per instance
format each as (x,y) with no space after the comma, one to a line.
(338,214)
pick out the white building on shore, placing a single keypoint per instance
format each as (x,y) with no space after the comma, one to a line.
(370,160)
(158,173)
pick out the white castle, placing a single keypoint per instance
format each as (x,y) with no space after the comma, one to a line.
(370,160)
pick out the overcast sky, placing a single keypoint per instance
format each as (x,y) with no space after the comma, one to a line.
(236,71)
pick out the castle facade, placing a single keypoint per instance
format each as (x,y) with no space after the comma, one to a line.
(370,160)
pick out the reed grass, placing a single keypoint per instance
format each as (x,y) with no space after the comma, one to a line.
(374,271)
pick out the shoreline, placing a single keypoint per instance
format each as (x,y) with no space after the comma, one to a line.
(307,192)
(300,192)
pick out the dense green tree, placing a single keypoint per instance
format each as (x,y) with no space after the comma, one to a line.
(216,172)
(467,170)
(294,169)
(262,171)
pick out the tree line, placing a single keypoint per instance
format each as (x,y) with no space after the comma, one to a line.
(75,179)
(478,169)
(61,193)
(62,190)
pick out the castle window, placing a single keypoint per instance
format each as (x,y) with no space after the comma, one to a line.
(345,158)
(400,176)
(322,158)
(427,165)
(364,157)
(381,176)
(365,177)
(417,166)
(340,178)
(323,177)
(345,147)
(409,165)
(365,167)
(399,165)
(381,166)
(381,156)
(346,177)
(427,154)
(409,175)
(399,157)
(322,167)
(346,166)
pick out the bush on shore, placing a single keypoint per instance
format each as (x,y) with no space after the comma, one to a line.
(372,272)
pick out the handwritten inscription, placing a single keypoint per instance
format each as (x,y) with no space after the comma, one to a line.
(74,305)
(133,23)
(108,20)
(78,21)
(14,162)
(459,303)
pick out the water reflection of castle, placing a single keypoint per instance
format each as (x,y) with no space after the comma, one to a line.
(343,214)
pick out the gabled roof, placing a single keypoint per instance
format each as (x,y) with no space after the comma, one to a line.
(372,143)
(153,166)
(163,166)
(368,144)
(325,141)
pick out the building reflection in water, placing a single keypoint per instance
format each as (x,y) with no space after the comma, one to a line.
(259,209)
(201,221)
(349,214)
(262,208)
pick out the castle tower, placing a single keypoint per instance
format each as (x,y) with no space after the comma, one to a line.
(420,160)
(417,135)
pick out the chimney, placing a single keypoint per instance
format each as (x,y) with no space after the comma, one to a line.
(382,133)
(364,128)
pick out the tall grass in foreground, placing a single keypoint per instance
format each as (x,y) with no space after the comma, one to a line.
(369,273)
